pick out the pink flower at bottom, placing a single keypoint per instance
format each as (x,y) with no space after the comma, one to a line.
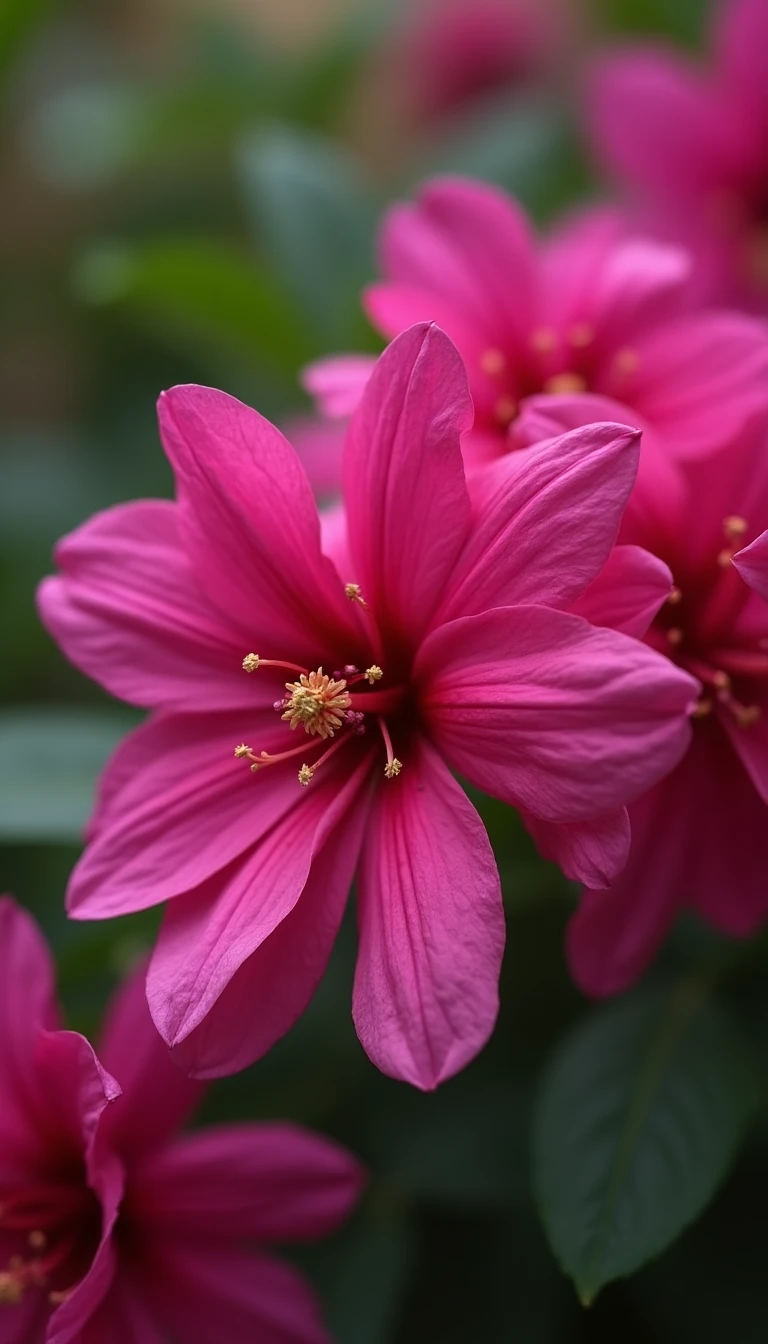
(438,641)
(113,1228)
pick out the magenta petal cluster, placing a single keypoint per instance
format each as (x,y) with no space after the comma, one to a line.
(439,641)
(113,1228)
(690,142)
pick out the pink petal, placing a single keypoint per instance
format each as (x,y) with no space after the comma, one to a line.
(701,379)
(70,1320)
(124,1316)
(337,383)
(545,522)
(470,241)
(641,284)
(205,1296)
(27,1007)
(128,612)
(572,259)
(752,564)
(220,1020)
(740,42)
(405,493)
(431,928)
(751,744)
(249,524)
(630,589)
(266,1183)
(157,1098)
(590,852)
(540,709)
(175,808)
(654,122)
(319,445)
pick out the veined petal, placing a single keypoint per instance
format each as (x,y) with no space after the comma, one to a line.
(27,1007)
(404,488)
(641,284)
(752,564)
(127,610)
(228,977)
(431,927)
(267,1183)
(590,852)
(544,522)
(546,712)
(176,807)
(249,523)
(630,589)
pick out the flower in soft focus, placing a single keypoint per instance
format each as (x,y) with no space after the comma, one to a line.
(700,837)
(113,1227)
(587,311)
(691,144)
(453,52)
(752,564)
(434,641)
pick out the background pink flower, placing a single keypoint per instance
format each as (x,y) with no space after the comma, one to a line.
(114,1230)
(690,142)
(446,640)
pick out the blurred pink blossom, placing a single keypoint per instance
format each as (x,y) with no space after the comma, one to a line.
(443,630)
(752,564)
(115,1230)
(690,143)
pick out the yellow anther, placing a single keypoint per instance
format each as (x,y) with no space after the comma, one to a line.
(746,715)
(505,411)
(565,382)
(255,767)
(250,662)
(393,768)
(373,673)
(11,1289)
(675,596)
(354,593)
(317,703)
(675,636)
(242,751)
(581,334)
(544,341)
(306,774)
(492,363)
(734,527)
(724,558)
(701,709)
(626,360)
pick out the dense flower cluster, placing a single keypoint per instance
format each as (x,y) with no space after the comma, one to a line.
(544,573)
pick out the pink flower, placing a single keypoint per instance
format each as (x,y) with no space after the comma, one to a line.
(700,837)
(588,310)
(114,1229)
(691,143)
(752,564)
(447,646)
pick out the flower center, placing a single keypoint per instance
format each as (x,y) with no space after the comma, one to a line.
(57,1227)
(694,629)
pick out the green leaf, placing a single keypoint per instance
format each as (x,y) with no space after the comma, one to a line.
(201,289)
(18,19)
(640,1115)
(314,219)
(50,759)
(365,1272)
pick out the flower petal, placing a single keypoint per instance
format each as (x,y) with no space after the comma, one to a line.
(337,383)
(126,609)
(157,1098)
(237,962)
(590,852)
(176,807)
(741,40)
(546,712)
(268,1183)
(630,589)
(404,487)
(752,564)
(249,523)
(431,927)
(545,521)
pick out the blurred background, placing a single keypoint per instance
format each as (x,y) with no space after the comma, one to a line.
(189,192)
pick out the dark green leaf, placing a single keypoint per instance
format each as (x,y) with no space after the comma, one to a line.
(18,19)
(50,760)
(640,1115)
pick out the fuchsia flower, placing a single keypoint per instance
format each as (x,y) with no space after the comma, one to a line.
(700,837)
(440,643)
(691,144)
(752,564)
(587,311)
(113,1230)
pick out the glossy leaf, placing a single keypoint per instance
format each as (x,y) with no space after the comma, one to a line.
(640,1115)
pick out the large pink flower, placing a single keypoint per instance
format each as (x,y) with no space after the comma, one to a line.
(113,1230)
(691,144)
(700,837)
(440,643)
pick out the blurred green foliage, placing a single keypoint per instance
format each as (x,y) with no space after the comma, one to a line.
(213,222)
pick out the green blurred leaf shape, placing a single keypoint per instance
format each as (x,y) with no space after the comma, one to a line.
(18,19)
(202,289)
(313,216)
(639,1118)
(50,759)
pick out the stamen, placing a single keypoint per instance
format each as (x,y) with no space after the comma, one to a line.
(701,709)
(734,527)
(373,673)
(264,759)
(674,636)
(11,1289)
(675,596)
(393,766)
(354,593)
(745,715)
(252,661)
(711,676)
(307,772)
(492,363)
(317,702)
(242,751)
(565,382)
(545,340)
(505,411)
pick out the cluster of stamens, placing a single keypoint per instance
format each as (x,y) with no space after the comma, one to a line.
(323,706)
(548,344)
(32,1271)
